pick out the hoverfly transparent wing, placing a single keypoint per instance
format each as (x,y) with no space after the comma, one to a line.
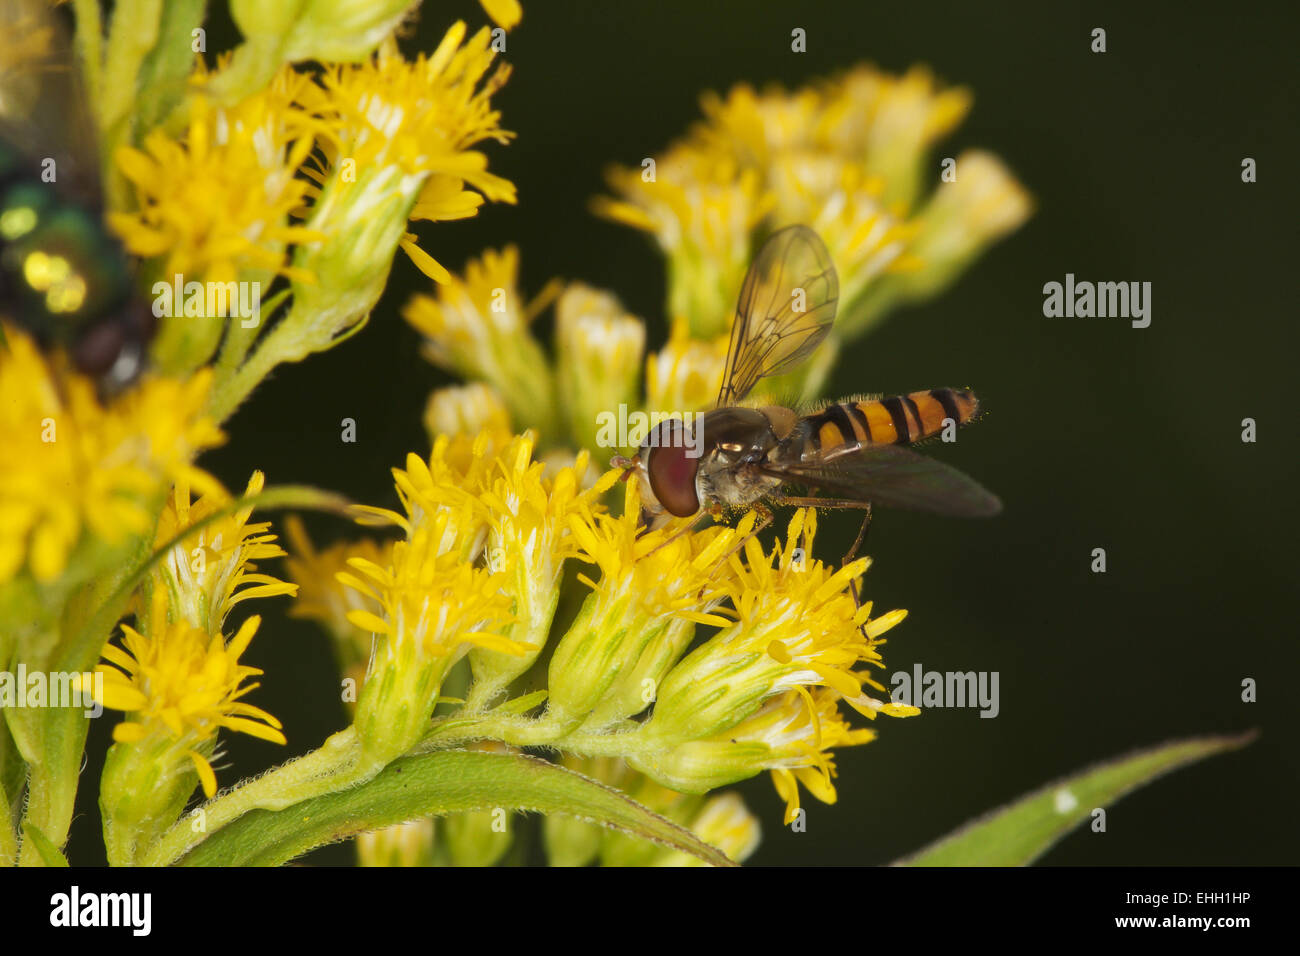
(892,476)
(785,310)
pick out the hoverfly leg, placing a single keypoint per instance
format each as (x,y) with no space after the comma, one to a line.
(853,553)
(865,506)
(862,536)
(764,519)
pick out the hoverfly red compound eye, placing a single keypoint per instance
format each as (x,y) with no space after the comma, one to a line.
(672,468)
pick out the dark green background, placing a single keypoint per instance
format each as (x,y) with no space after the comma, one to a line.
(1097,434)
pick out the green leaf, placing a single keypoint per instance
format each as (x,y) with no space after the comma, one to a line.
(49,852)
(451,781)
(166,68)
(1021,832)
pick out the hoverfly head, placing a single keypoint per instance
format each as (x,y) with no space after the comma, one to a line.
(671,462)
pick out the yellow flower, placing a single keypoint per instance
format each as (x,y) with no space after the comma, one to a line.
(792,735)
(478,327)
(847,157)
(406,128)
(465,410)
(181,685)
(653,588)
(599,350)
(492,502)
(211,570)
(434,608)
(322,597)
(798,625)
(890,121)
(246,160)
(686,374)
(72,465)
(702,210)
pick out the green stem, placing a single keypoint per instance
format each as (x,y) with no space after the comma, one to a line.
(8,837)
(133,33)
(339,763)
(534,732)
(90,46)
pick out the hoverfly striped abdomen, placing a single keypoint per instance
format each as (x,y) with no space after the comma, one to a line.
(896,420)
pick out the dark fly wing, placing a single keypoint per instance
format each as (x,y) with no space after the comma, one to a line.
(892,476)
(43,110)
(786,309)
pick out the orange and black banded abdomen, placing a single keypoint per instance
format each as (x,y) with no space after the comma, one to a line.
(897,420)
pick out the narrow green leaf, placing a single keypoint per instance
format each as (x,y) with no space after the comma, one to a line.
(451,781)
(165,69)
(49,852)
(1021,832)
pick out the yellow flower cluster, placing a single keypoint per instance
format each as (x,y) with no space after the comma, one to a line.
(846,157)
(247,159)
(76,471)
(181,684)
(487,534)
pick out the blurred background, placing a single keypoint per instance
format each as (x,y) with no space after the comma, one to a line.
(1096,434)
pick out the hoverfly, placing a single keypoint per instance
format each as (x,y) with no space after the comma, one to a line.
(849,454)
(63,277)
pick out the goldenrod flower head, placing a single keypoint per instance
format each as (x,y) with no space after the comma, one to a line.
(434,607)
(686,374)
(844,206)
(459,466)
(421,115)
(72,465)
(181,685)
(846,157)
(636,622)
(395,136)
(477,327)
(756,128)
(723,822)
(983,204)
(490,501)
(599,348)
(465,410)
(211,570)
(471,321)
(403,844)
(702,210)
(246,159)
(322,597)
(791,734)
(890,121)
(797,625)
(530,536)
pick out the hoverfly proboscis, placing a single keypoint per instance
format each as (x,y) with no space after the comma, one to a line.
(849,454)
